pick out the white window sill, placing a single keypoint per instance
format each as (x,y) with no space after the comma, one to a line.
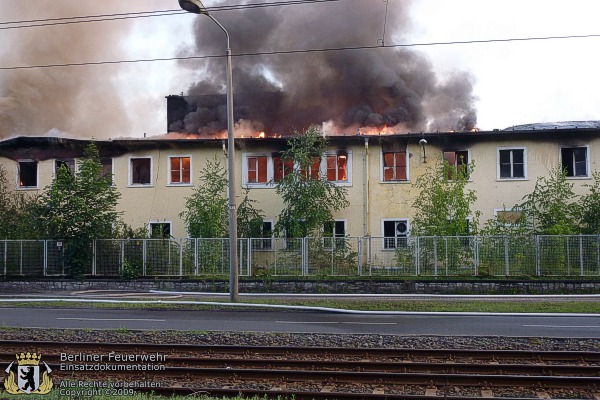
(401,182)
(579,178)
(511,179)
(28,188)
(139,185)
(179,184)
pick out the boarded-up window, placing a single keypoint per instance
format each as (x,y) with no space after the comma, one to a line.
(509,216)
(394,166)
(257,169)
(281,168)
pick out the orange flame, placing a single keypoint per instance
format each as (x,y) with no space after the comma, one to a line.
(261,135)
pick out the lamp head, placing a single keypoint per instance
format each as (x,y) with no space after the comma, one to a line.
(422,142)
(193,6)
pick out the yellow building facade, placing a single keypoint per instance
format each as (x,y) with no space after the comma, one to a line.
(154,175)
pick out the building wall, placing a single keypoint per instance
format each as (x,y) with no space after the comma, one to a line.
(371,199)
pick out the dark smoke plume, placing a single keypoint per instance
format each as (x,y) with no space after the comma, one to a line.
(80,101)
(393,87)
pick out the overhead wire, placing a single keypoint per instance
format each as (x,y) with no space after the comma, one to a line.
(33,23)
(302,51)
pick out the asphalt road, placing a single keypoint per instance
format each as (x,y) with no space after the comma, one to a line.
(304,321)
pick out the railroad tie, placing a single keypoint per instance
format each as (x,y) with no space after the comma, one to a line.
(379,390)
(596,396)
(431,391)
(327,388)
(543,395)
(487,393)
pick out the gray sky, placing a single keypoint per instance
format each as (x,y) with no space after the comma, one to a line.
(514,82)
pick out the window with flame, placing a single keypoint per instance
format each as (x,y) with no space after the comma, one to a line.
(337,167)
(458,161)
(395,166)
(257,169)
(28,174)
(281,168)
(180,170)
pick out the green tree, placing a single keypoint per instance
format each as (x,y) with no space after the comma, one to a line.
(551,208)
(79,207)
(309,199)
(207,209)
(16,212)
(443,206)
(249,218)
(589,208)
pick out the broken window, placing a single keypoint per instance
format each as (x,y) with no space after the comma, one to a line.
(28,174)
(458,161)
(69,164)
(107,168)
(141,171)
(160,230)
(574,161)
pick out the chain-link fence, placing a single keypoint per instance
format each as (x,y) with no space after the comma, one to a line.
(451,256)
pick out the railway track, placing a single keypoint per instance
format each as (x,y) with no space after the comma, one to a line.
(333,373)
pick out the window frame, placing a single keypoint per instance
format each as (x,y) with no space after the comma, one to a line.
(507,224)
(382,167)
(245,171)
(324,168)
(66,162)
(587,160)
(169,174)
(467,163)
(336,240)
(384,242)
(37,174)
(512,178)
(112,168)
(130,182)
(156,222)
(264,243)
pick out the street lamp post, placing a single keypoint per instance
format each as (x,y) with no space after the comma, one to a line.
(196,7)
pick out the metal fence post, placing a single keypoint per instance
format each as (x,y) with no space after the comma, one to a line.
(476,255)
(435,255)
(370,256)
(418,257)
(196,256)
(6,257)
(122,265)
(304,249)
(144,248)
(581,254)
(506,257)
(180,257)
(94,257)
(21,260)
(537,255)
(45,257)
(360,256)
